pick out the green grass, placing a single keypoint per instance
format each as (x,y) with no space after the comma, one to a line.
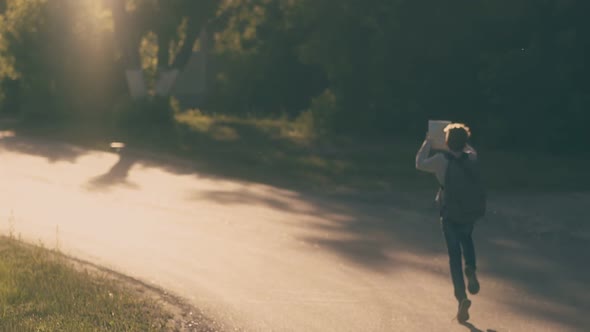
(285,153)
(41,291)
(282,152)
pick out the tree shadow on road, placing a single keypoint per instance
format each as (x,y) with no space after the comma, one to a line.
(53,152)
(117,175)
(379,234)
(355,231)
(245,197)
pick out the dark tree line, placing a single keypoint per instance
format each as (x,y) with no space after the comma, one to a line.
(516,70)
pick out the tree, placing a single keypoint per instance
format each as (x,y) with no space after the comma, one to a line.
(362,67)
(175,22)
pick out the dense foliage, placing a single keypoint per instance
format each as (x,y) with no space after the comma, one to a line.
(516,70)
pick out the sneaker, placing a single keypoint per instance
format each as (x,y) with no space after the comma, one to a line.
(463,314)
(472,282)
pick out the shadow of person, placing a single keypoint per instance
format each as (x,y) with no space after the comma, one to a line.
(116,175)
(472,327)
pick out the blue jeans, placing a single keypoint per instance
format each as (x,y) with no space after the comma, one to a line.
(458,238)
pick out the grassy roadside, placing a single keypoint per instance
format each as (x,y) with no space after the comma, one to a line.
(286,149)
(283,153)
(41,291)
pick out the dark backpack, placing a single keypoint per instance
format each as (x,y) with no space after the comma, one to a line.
(463,196)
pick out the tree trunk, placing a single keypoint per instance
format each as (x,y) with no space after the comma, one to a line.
(192,34)
(127,36)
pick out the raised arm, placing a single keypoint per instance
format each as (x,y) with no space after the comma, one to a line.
(426,163)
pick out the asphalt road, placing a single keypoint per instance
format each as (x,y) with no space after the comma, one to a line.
(260,258)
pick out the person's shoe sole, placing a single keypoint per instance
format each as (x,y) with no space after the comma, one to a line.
(463,314)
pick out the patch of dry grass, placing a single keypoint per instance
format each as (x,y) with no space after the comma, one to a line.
(41,291)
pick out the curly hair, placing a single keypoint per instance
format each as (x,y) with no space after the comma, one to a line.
(457,135)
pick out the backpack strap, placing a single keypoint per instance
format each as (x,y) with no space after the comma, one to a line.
(448,156)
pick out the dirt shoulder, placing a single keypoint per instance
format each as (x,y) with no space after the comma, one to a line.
(184,317)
